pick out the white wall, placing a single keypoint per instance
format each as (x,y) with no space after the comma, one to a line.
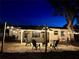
(17,32)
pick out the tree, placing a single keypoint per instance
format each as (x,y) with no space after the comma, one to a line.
(64,7)
(69,9)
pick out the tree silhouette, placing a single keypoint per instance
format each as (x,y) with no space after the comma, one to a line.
(70,10)
(67,8)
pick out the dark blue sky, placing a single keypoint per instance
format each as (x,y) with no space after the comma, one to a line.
(29,12)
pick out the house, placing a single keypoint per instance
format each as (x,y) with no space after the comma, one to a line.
(38,33)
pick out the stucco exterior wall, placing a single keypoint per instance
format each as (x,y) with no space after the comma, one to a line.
(19,34)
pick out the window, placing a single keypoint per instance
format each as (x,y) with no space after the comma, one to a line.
(25,34)
(35,34)
(43,34)
(62,33)
(55,32)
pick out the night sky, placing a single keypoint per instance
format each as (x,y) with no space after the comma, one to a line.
(29,12)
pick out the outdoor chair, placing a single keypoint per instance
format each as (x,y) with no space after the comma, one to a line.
(34,44)
(39,45)
(55,44)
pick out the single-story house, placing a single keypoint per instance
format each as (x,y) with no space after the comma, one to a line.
(53,33)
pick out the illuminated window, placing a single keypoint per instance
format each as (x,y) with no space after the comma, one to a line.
(55,32)
(35,34)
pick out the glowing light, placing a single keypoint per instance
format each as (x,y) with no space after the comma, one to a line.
(12,27)
(15,31)
(68,32)
(8,27)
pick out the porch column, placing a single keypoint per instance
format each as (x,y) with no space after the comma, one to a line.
(21,36)
(59,34)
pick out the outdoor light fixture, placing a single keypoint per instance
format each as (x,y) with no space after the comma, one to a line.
(12,27)
(68,33)
(8,27)
(15,31)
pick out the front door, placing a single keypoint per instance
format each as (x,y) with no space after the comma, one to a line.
(25,36)
(43,36)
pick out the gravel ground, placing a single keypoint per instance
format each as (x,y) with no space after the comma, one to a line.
(21,48)
(20,51)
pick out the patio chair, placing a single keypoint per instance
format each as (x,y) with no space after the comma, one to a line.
(55,44)
(34,44)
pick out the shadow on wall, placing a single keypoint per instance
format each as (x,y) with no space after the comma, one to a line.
(76,37)
(10,39)
(75,42)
